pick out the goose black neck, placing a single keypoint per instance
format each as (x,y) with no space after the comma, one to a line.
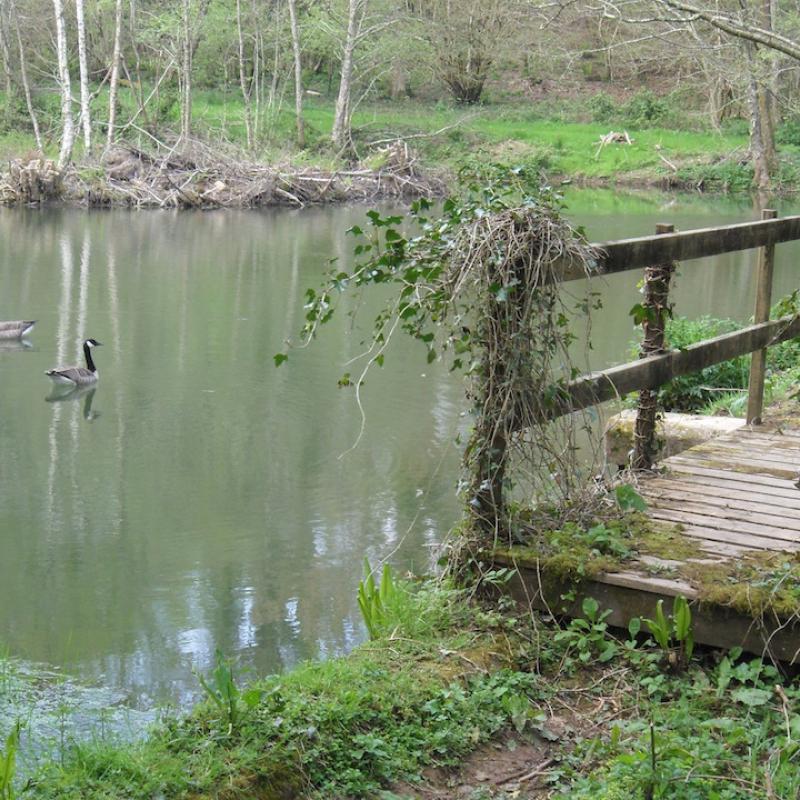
(87,352)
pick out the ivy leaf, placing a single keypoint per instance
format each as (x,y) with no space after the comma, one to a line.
(279,358)
(628,499)
(750,696)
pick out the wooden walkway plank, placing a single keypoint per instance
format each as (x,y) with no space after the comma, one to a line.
(785,486)
(731,507)
(730,494)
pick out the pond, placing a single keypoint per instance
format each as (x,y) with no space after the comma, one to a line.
(201,499)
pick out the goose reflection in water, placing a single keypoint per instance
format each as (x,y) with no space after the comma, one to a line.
(14,345)
(61,393)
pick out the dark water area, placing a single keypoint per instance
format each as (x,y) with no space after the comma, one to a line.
(199,498)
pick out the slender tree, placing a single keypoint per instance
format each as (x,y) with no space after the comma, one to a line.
(186,69)
(67,123)
(114,80)
(86,118)
(245,83)
(341,135)
(23,71)
(298,74)
(6,55)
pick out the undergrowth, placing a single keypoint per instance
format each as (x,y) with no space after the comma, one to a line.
(446,672)
(722,388)
(440,679)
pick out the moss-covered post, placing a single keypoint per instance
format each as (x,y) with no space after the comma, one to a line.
(758,362)
(656,308)
(487,451)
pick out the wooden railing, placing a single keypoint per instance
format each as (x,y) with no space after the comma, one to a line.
(653,371)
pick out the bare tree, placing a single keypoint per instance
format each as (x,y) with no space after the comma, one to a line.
(465,37)
(23,71)
(245,83)
(114,81)
(185,70)
(6,55)
(298,74)
(342,136)
(67,123)
(86,118)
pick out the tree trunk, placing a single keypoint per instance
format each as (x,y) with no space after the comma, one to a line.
(84,76)
(762,134)
(115,59)
(23,71)
(341,136)
(298,75)
(186,71)
(6,54)
(67,123)
(246,90)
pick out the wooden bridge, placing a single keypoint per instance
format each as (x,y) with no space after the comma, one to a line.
(733,502)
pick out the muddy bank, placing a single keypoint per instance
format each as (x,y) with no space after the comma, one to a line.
(199,177)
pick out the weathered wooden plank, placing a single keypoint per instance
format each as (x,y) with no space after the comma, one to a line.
(743,467)
(773,444)
(720,542)
(626,254)
(653,371)
(765,482)
(729,514)
(750,451)
(760,535)
(783,438)
(716,542)
(713,625)
(649,583)
(747,498)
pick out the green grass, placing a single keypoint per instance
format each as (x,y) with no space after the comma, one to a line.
(444,674)
(341,728)
(501,132)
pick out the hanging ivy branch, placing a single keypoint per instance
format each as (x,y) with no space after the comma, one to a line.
(478,281)
(418,266)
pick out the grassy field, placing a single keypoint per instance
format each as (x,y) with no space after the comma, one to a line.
(443,135)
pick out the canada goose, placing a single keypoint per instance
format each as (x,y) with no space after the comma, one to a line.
(16,329)
(78,376)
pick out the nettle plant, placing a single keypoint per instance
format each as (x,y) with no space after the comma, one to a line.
(476,283)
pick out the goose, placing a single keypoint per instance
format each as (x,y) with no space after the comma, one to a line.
(78,376)
(16,329)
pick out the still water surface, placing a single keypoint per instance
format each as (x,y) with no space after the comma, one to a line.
(202,499)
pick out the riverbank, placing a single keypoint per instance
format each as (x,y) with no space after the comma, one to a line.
(399,151)
(455,698)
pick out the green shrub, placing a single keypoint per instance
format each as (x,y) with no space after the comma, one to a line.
(789,131)
(693,392)
(645,110)
(602,107)
(729,175)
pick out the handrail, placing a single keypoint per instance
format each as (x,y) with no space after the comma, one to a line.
(653,371)
(643,251)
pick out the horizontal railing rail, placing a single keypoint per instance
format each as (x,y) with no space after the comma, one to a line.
(643,251)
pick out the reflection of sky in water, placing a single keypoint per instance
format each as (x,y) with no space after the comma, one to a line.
(202,499)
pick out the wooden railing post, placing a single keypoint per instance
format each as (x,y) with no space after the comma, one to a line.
(656,306)
(758,361)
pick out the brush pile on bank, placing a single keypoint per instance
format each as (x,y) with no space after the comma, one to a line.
(196,176)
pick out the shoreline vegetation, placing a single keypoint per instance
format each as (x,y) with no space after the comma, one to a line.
(455,696)
(398,153)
